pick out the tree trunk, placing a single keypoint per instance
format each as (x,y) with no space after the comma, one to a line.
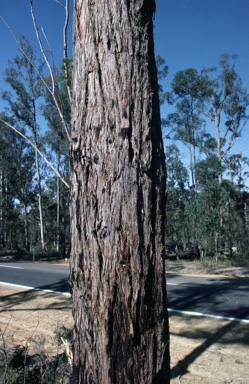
(117,198)
(1,210)
(40,201)
(218,138)
(26,231)
(58,229)
(38,173)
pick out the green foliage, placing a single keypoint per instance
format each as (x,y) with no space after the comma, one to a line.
(190,84)
(162,72)
(29,101)
(177,196)
(207,171)
(66,71)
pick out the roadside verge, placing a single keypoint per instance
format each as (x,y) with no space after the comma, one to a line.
(203,350)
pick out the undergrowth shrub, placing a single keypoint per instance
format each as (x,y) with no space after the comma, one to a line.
(31,365)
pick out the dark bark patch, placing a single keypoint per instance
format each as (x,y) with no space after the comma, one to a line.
(124,133)
(96,159)
(97,132)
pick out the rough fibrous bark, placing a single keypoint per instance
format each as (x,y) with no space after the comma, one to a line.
(117,197)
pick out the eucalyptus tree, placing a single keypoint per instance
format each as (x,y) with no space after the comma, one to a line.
(189,90)
(237,166)
(226,105)
(117,197)
(162,72)
(17,186)
(6,200)
(25,75)
(26,83)
(178,196)
(212,198)
(57,145)
(222,218)
(235,219)
(22,187)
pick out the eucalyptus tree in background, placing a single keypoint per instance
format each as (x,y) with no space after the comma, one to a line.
(21,186)
(25,75)
(237,166)
(162,72)
(178,195)
(211,202)
(189,90)
(57,145)
(117,197)
(236,218)
(7,217)
(26,84)
(17,189)
(226,105)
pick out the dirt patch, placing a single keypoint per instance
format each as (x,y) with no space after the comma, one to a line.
(29,316)
(203,351)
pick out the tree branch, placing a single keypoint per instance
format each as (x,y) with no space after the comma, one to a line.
(52,92)
(65,55)
(36,149)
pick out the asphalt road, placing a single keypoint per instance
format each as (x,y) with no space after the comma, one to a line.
(218,296)
(36,275)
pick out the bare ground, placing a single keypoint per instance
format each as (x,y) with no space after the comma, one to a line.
(203,351)
(209,268)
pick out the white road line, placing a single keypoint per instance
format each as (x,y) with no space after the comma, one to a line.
(10,266)
(182,285)
(36,289)
(200,314)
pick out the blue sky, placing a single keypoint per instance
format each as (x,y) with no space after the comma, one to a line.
(188,33)
(16,13)
(194,33)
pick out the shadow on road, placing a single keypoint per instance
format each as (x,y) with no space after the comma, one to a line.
(224,296)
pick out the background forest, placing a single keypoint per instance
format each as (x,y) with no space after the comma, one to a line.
(207,210)
(34,162)
(207,191)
